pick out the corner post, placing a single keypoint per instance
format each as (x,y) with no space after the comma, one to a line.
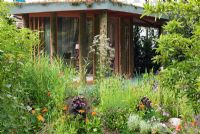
(103,24)
(82,46)
(132,47)
(122,48)
(53,39)
(25,18)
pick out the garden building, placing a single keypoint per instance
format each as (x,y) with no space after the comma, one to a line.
(67,27)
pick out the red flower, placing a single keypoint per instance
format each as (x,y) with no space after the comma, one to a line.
(193,123)
(178,128)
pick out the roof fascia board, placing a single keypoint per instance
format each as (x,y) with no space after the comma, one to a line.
(23,8)
(63,6)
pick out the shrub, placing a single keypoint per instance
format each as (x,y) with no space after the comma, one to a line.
(134,122)
(115,119)
(178,49)
(145,127)
(15,51)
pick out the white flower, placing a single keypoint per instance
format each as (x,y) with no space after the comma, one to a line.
(133,122)
(28,108)
(95,129)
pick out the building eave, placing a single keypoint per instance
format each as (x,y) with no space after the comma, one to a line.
(23,8)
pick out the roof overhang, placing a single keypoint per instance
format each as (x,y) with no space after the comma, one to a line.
(23,8)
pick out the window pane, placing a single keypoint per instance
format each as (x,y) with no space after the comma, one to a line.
(47,34)
(67,38)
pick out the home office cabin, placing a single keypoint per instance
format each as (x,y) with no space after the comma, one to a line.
(67,28)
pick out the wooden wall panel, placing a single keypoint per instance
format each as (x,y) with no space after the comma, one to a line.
(126,54)
(96,32)
(25,18)
(122,47)
(53,40)
(82,46)
(132,46)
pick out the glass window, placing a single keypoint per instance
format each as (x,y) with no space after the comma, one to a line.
(42,26)
(67,38)
(47,34)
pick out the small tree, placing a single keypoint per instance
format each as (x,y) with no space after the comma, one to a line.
(15,49)
(179,49)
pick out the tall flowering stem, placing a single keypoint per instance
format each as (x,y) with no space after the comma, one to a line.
(105,54)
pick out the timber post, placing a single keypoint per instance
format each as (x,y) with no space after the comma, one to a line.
(96,32)
(132,47)
(82,47)
(103,25)
(25,18)
(53,37)
(122,47)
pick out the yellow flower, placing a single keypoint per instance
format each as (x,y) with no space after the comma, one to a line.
(94,113)
(142,106)
(81,111)
(33,111)
(86,120)
(40,118)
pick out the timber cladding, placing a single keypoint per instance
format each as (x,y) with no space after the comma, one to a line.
(60,31)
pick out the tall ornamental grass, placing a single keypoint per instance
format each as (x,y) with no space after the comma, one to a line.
(46,83)
(116,92)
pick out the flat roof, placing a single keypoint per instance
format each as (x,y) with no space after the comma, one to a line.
(23,8)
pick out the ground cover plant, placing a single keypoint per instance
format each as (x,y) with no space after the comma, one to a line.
(41,95)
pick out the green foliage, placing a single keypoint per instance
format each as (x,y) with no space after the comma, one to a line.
(115,119)
(120,97)
(178,49)
(15,48)
(41,85)
(137,124)
(116,93)
(33,92)
(68,124)
(134,122)
(41,77)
